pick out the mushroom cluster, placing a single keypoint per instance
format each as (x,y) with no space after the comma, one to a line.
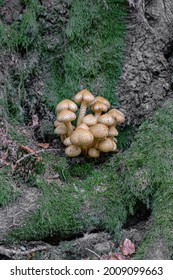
(94,133)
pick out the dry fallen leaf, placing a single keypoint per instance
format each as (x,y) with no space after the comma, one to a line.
(43,145)
(117,256)
(114,257)
(128,248)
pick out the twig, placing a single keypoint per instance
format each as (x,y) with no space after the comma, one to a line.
(12,252)
(35,153)
(53,177)
(93,253)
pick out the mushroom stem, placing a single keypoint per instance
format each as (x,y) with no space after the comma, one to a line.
(82,112)
(69,128)
(62,137)
(98,114)
(84,149)
(94,143)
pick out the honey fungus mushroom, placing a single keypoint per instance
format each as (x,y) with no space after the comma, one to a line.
(66,116)
(99,131)
(66,104)
(103,100)
(100,105)
(81,137)
(93,152)
(56,123)
(89,120)
(84,126)
(117,115)
(106,119)
(95,132)
(84,97)
(61,130)
(107,145)
(72,151)
(67,141)
(112,132)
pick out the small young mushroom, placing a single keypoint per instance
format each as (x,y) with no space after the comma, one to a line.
(106,145)
(115,147)
(67,141)
(84,97)
(72,151)
(112,132)
(98,107)
(66,116)
(99,131)
(103,100)
(93,152)
(66,104)
(61,130)
(117,115)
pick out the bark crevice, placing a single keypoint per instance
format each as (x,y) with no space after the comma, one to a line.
(146,76)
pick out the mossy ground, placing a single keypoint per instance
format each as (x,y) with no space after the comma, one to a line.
(8,192)
(96,195)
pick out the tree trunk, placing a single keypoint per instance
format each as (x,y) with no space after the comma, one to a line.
(146,76)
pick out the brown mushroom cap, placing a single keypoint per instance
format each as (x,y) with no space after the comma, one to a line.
(106,145)
(81,137)
(89,120)
(99,106)
(61,129)
(117,115)
(94,153)
(83,125)
(99,130)
(66,116)
(106,119)
(56,123)
(84,95)
(67,141)
(103,100)
(66,104)
(112,131)
(72,151)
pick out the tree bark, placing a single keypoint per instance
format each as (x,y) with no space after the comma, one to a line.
(146,76)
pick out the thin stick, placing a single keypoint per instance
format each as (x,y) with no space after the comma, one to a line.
(93,253)
(34,153)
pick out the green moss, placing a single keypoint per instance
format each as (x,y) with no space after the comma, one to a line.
(15,133)
(93,54)
(104,195)
(57,212)
(7,188)
(24,33)
(2,2)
